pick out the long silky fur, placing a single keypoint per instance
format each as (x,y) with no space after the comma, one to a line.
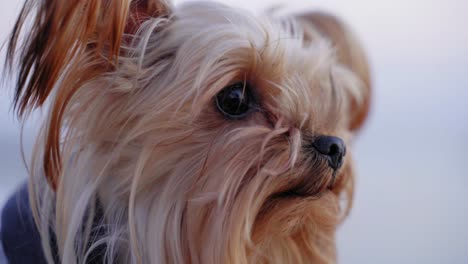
(132,136)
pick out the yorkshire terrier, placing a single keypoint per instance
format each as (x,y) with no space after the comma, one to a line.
(197,133)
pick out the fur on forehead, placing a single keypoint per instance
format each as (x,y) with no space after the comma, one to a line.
(203,47)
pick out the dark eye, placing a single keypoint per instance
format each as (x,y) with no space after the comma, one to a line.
(235,101)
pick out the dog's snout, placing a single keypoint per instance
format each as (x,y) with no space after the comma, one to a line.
(333,148)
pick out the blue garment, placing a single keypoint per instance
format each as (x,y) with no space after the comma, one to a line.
(19,236)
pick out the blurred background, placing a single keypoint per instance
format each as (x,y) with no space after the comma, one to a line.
(411,204)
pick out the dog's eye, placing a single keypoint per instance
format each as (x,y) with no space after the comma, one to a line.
(235,101)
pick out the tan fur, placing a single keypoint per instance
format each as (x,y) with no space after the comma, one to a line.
(132,125)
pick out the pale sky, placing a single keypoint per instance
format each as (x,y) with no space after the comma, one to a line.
(411,202)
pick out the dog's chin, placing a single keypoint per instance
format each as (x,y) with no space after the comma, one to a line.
(296,219)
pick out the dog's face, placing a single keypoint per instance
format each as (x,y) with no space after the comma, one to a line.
(221,137)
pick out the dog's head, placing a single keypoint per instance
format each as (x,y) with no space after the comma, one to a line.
(208,134)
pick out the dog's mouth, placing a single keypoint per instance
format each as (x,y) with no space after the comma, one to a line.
(308,188)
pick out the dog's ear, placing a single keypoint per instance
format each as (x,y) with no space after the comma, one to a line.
(349,53)
(64,31)
(68,43)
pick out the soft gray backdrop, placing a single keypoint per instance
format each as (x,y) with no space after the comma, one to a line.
(411,205)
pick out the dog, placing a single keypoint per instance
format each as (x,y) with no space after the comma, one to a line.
(197,133)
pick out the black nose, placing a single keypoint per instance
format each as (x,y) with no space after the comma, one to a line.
(331,147)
